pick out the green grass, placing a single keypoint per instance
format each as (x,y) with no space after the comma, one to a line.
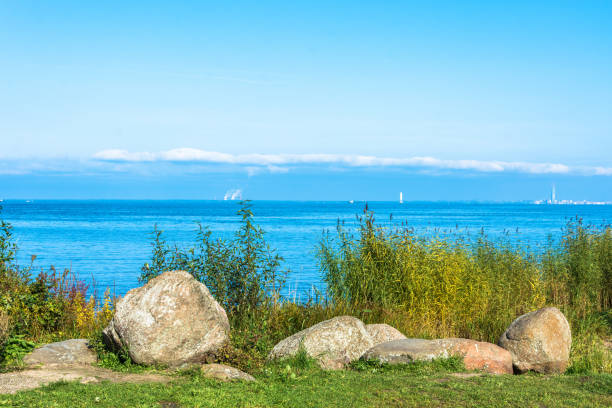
(369,385)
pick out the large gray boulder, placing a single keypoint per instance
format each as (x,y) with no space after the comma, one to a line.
(171,320)
(382,333)
(68,352)
(476,355)
(539,341)
(333,343)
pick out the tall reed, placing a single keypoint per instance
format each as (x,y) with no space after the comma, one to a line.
(439,287)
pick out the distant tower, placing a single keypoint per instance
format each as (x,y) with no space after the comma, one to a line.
(553,195)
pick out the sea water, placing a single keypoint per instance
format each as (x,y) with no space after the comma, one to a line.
(107,242)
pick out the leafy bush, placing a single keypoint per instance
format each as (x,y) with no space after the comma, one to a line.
(243,274)
(15,348)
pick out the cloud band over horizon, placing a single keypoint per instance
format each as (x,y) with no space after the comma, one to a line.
(274,161)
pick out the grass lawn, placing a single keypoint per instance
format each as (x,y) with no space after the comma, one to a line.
(286,386)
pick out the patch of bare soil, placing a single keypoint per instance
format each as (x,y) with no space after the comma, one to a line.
(13,382)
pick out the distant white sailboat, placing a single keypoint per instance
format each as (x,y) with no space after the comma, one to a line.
(351,201)
(401,198)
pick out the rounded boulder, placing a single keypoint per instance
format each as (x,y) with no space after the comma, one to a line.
(539,341)
(333,343)
(171,320)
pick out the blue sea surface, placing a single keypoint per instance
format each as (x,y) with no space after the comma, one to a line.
(107,242)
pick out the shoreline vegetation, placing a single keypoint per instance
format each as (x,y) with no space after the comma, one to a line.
(426,287)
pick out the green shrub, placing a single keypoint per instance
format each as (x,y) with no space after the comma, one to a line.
(15,348)
(243,274)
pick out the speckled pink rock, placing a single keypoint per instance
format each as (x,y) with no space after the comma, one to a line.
(477,355)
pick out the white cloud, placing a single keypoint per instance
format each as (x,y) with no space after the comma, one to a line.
(603,171)
(274,162)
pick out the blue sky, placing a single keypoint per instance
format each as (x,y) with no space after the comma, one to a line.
(306,100)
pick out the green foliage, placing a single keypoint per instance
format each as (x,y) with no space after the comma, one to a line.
(452,364)
(117,360)
(291,369)
(8,248)
(15,348)
(243,274)
(579,271)
(588,353)
(430,287)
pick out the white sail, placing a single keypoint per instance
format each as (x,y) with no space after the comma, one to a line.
(401,198)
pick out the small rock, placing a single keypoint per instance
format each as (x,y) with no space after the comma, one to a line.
(333,343)
(171,320)
(476,355)
(225,373)
(539,341)
(89,380)
(382,333)
(69,352)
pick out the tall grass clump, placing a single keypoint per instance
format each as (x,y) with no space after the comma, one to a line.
(430,286)
(579,271)
(578,279)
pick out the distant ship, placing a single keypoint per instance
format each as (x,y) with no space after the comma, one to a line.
(351,201)
(401,198)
